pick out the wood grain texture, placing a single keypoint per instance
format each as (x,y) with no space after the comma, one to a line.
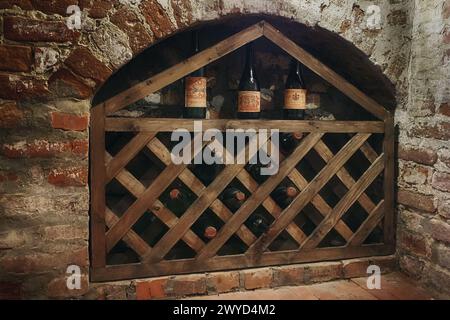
(389,181)
(98,176)
(368,225)
(171,124)
(264,190)
(344,204)
(308,193)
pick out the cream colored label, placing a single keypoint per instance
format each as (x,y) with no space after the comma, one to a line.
(295,99)
(195,92)
(249,101)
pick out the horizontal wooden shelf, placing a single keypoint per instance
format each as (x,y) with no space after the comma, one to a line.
(171,124)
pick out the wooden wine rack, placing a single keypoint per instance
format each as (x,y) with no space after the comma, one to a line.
(109,227)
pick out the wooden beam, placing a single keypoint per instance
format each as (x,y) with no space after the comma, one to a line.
(182,69)
(171,124)
(344,204)
(389,181)
(308,193)
(325,72)
(368,225)
(98,176)
(186,266)
(242,214)
(127,153)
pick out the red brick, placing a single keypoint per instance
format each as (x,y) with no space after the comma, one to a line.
(445,107)
(96,8)
(181,286)
(10,291)
(129,22)
(53,6)
(153,289)
(288,276)
(416,200)
(412,266)
(10,115)
(68,177)
(182,11)
(157,18)
(64,84)
(441,181)
(15,58)
(257,279)
(8,4)
(440,130)
(8,176)
(83,63)
(23,29)
(57,288)
(324,271)
(68,121)
(44,149)
(22,88)
(418,155)
(222,282)
(413,244)
(444,209)
(438,229)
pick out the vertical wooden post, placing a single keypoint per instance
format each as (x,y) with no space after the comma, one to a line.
(97,186)
(389,181)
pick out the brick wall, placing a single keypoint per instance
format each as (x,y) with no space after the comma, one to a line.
(49,74)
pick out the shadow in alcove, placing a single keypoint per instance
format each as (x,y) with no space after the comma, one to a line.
(331,49)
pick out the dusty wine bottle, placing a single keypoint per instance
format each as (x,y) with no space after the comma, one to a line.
(233,198)
(288,141)
(258,224)
(295,93)
(284,195)
(177,202)
(249,95)
(195,89)
(206,227)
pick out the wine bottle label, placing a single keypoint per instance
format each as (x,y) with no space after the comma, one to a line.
(195,92)
(249,101)
(295,99)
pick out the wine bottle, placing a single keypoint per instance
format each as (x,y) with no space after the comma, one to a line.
(289,141)
(249,96)
(233,198)
(258,224)
(284,195)
(177,202)
(295,93)
(195,89)
(206,227)
(255,172)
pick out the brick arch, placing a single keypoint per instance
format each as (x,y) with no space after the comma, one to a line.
(347,58)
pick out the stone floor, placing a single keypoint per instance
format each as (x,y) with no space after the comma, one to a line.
(394,286)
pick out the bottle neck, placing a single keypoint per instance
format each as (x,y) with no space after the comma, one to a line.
(195,42)
(249,60)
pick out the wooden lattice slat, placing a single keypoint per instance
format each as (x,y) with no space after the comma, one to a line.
(324,218)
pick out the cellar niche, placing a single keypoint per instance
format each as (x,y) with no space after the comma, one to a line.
(151,217)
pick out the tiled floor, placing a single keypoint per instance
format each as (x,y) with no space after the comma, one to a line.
(394,286)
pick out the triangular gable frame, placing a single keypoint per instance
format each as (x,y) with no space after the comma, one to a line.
(230,44)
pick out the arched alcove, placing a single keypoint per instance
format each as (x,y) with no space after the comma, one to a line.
(341,167)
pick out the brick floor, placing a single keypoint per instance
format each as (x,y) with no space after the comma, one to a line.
(394,286)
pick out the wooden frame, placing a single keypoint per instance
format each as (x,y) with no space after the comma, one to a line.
(107,228)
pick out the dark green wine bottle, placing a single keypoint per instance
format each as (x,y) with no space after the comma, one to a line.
(195,89)
(258,224)
(233,198)
(289,141)
(284,195)
(249,95)
(295,93)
